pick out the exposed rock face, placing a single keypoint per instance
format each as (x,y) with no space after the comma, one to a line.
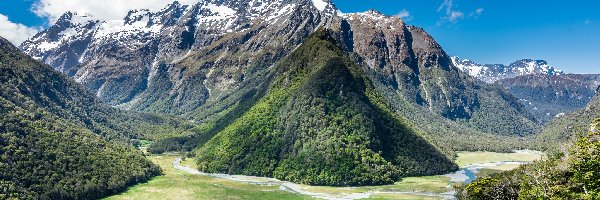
(548,97)
(493,72)
(145,53)
(204,59)
(406,63)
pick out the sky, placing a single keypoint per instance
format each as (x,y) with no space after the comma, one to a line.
(564,33)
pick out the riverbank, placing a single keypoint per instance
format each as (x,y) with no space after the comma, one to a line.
(183,181)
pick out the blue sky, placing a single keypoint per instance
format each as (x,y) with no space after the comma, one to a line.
(564,33)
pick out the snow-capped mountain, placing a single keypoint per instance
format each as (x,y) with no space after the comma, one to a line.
(120,59)
(493,72)
(213,58)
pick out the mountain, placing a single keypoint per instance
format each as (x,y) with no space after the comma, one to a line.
(322,123)
(180,58)
(567,126)
(571,174)
(209,62)
(57,141)
(548,97)
(491,73)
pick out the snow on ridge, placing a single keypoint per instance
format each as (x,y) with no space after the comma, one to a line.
(321,5)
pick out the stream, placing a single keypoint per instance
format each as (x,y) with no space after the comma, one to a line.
(465,175)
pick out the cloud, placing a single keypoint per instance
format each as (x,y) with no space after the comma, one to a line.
(405,15)
(452,16)
(455,16)
(448,4)
(100,9)
(475,14)
(587,21)
(15,32)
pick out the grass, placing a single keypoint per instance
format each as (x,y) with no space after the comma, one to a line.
(435,184)
(175,184)
(468,158)
(402,196)
(180,185)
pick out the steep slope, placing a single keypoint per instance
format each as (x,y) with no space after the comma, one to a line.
(51,144)
(134,62)
(406,63)
(567,126)
(548,97)
(491,73)
(322,123)
(573,174)
(208,62)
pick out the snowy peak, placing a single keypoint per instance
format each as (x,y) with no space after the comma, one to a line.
(493,72)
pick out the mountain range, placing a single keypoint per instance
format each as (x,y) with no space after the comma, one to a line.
(204,61)
(491,73)
(294,89)
(545,91)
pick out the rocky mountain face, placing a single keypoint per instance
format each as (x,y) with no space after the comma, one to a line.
(491,73)
(548,97)
(211,62)
(137,62)
(405,63)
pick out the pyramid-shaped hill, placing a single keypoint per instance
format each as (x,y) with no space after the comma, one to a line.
(322,123)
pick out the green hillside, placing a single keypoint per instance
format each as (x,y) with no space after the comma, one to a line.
(566,127)
(572,174)
(58,142)
(322,123)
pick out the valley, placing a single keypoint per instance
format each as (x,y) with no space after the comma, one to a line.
(181,180)
(283,99)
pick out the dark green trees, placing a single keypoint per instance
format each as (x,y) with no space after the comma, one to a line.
(574,175)
(322,123)
(58,142)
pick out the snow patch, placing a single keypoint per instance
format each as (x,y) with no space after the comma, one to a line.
(320,4)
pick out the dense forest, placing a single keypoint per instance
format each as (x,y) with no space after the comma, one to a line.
(572,174)
(59,142)
(322,123)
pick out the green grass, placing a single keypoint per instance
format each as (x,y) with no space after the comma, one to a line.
(175,184)
(435,184)
(402,196)
(180,185)
(468,158)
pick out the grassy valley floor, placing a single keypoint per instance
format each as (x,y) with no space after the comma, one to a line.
(179,184)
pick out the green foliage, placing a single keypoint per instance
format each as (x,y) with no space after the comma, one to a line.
(321,123)
(563,176)
(58,142)
(562,129)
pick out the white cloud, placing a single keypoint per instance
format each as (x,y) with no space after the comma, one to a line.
(15,32)
(475,14)
(100,9)
(451,16)
(479,11)
(448,4)
(455,16)
(404,14)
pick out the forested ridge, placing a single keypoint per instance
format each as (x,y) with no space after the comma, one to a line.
(322,123)
(58,142)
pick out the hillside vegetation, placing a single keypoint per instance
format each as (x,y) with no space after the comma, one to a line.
(322,123)
(58,142)
(567,175)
